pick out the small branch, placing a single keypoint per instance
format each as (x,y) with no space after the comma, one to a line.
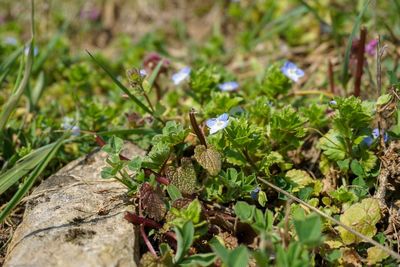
(196,128)
(348,228)
(360,62)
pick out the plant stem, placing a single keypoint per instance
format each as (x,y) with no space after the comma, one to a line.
(346,227)
(360,62)
(196,128)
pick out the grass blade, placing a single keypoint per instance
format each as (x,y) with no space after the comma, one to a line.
(345,70)
(30,180)
(12,102)
(5,67)
(22,167)
(120,85)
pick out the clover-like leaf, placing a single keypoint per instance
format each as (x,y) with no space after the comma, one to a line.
(208,158)
(183,177)
(299,179)
(362,217)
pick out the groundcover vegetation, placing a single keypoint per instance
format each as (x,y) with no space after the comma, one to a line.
(250,162)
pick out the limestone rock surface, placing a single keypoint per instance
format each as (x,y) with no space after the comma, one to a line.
(75,219)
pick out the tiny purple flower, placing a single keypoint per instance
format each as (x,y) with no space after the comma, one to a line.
(254,193)
(228,86)
(90,14)
(217,124)
(370,48)
(181,75)
(332,103)
(291,71)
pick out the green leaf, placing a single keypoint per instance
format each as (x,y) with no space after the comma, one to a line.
(309,230)
(30,180)
(219,249)
(173,192)
(208,158)
(383,99)
(121,86)
(13,100)
(362,217)
(205,259)
(357,168)
(333,146)
(23,166)
(114,145)
(244,211)
(184,237)
(239,257)
(299,179)
(376,255)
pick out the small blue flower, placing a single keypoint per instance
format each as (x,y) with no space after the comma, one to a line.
(291,71)
(332,103)
(67,123)
(76,131)
(376,134)
(35,50)
(368,141)
(228,86)
(10,41)
(217,124)
(143,72)
(254,193)
(181,75)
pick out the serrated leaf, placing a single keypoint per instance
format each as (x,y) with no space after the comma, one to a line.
(184,177)
(362,217)
(208,158)
(333,145)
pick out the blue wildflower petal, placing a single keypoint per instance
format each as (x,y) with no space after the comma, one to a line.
(211,122)
(368,141)
(254,193)
(181,75)
(223,117)
(228,86)
(375,133)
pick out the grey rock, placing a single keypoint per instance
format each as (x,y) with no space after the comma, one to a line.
(75,218)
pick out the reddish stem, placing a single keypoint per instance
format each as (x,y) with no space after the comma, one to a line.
(138,220)
(360,62)
(160,179)
(143,233)
(100,141)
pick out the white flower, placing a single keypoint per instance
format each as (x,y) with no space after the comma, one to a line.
(291,71)
(10,41)
(181,75)
(67,123)
(35,50)
(143,72)
(217,124)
